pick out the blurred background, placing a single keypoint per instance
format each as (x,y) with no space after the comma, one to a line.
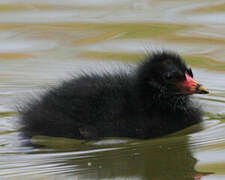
(45,41)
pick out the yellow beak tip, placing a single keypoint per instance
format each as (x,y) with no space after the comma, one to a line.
(203,90)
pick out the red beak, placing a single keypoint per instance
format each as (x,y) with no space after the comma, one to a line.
(190,86)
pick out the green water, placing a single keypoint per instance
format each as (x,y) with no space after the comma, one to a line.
(43,42)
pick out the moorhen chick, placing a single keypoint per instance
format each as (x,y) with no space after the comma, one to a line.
(150,101)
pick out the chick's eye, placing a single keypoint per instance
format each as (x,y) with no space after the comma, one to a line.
(168,76)
(189,71)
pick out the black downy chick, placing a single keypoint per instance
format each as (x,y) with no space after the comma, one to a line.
(151,101)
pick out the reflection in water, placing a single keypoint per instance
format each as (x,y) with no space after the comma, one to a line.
(160,159)
(153,161)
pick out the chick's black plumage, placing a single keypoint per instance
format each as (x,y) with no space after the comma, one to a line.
(144,103)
